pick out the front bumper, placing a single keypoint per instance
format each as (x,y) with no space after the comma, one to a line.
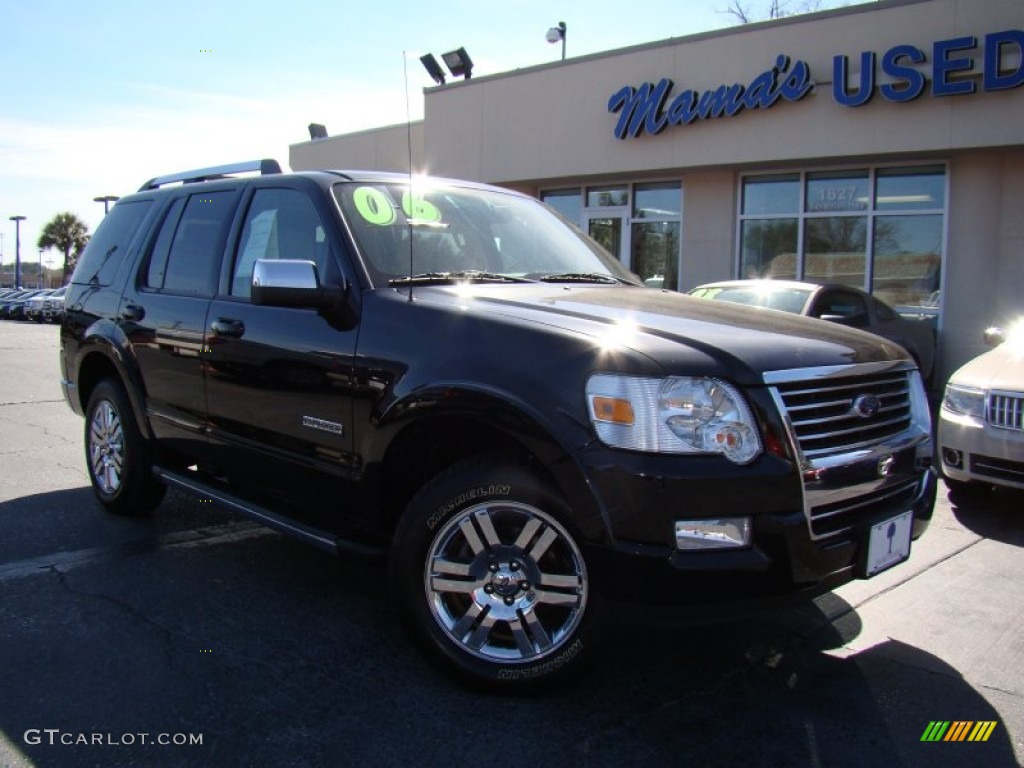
(809,528)
(973,451)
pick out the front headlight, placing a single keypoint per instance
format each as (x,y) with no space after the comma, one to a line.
(965,400)
(679,414)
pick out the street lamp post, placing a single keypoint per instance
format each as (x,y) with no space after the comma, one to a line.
(17,249)
(40,281)
(106,200)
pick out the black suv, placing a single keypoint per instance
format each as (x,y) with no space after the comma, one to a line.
(451,373)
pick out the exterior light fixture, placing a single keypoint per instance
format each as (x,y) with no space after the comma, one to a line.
(433,68)
(555,34)
(458,63)
(106,200)
(317,131)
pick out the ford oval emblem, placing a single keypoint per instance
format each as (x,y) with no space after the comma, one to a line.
(866,406)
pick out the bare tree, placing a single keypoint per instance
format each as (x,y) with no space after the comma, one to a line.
(776,9)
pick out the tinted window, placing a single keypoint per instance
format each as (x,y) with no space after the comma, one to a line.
(194,256)
(884,313)
(107,248)
(162,247)
(850,308)
(280,224)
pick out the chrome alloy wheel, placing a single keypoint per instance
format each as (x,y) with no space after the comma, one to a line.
(506,582)
(106,447)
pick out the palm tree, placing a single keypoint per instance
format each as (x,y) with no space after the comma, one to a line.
(68,234)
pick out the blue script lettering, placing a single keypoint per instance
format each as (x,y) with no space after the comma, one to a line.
(643,109)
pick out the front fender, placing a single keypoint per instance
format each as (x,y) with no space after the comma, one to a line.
(555,444)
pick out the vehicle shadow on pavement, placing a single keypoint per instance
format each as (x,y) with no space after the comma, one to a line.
(994,513)
(281,655)
(771,690)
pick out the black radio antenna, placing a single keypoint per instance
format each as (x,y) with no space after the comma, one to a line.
(408,143)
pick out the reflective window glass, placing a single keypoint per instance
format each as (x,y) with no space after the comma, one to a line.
(194,258)
(568,202)
(108,247)
(910,189)
(828,192)
(836,250)
(657,201)
(768,195)
(280,224)
(655,254)
(908,260)
(769,249)
(605,197)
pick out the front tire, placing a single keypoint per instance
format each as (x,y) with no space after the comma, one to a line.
(118,456)
(490,579)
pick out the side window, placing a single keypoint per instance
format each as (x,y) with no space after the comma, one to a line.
(884,312)
(848,307)
(108,247)
(280,224)
(186,255)
(162,247)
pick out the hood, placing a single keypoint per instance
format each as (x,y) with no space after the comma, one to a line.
(673,329)
(1001,368)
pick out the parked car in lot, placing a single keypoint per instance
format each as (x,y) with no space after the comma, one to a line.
(838,303)
(7,298)
(13,307)
(53,305)
(33,309)
(450,374)
(981,421)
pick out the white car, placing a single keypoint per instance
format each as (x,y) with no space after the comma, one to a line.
(981,422)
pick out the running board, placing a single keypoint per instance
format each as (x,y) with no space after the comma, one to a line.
(318,538)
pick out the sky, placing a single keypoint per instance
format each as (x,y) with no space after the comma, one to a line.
(98,97)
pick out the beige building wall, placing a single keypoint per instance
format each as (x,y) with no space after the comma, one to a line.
(380,149)
(984,271)
(548,127)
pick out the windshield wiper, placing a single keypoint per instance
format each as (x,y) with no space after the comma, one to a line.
(474,275)
(580,277)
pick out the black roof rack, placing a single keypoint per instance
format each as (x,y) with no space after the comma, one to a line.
(216,172)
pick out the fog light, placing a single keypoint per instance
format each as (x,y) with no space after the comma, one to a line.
(953,458)
(721,533)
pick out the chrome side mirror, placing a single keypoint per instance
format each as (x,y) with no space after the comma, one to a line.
(290,283)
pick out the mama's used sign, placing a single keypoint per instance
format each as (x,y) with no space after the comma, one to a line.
(652,107)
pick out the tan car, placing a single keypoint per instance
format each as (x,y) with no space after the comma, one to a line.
(981,422)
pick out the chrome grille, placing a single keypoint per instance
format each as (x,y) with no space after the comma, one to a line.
(825,421)
(1006,410)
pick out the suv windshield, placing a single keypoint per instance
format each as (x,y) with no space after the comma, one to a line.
(467,233)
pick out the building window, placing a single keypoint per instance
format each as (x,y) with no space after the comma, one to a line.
(657,226)
(568,202)
(639,224)
(879,229)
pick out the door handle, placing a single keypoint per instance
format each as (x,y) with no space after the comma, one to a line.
(226,327)
(133,312)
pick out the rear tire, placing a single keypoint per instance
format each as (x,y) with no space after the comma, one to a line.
(117,455)
(490,579)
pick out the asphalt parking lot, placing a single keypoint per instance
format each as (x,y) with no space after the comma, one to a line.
(197,638)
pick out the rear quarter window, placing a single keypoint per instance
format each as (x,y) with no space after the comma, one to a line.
(110,244)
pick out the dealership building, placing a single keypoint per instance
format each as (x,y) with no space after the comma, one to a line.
(878,145)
